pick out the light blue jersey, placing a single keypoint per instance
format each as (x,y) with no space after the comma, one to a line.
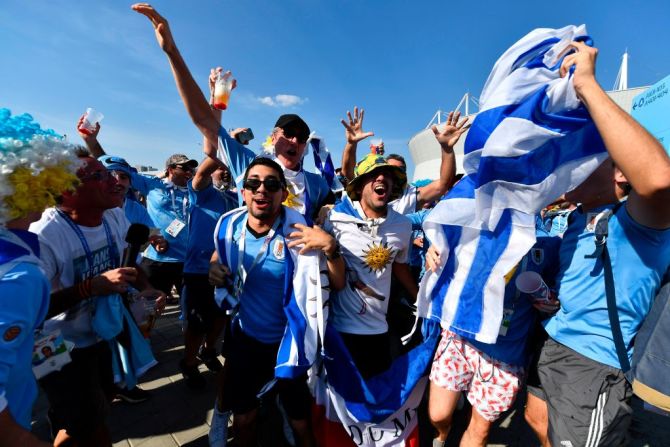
(518,310)
(165,204)
(24,300)
(261,312)
(640,257)
(136,213)
(207,206)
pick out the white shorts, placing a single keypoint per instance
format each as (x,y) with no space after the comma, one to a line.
(492,385)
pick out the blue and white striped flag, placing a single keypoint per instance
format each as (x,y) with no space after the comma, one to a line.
(324,162)
(532,141)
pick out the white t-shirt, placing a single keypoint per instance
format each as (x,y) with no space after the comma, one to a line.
(65,263)
(369,248)
(406,203)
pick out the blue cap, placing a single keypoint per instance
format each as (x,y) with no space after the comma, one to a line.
(113,163)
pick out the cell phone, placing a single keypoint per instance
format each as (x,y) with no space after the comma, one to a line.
(245,136)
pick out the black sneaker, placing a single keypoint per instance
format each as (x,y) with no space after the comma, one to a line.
(210,359)
(133,396)
(192,375)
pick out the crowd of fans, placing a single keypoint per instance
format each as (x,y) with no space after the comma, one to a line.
(232,235)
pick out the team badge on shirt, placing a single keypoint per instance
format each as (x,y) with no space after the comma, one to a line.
(537,255)
(278,249)
(11,333)
(377,256)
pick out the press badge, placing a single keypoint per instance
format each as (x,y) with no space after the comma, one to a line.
(506,321)
(175,227)
(50,353)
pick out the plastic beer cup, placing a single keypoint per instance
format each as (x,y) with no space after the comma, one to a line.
(532,284)
(91,117)
(222,88)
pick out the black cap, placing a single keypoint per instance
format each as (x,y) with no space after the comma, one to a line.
(294,122)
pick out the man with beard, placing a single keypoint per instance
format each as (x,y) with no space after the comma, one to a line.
(374,242)
(252,266)
(82,241)
(307,191)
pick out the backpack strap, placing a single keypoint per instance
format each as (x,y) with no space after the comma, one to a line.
(600,239)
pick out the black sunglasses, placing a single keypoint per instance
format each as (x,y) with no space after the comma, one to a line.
(290,133)
(187,168)
(271,184)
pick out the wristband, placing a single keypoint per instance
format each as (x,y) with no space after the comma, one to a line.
(336,254)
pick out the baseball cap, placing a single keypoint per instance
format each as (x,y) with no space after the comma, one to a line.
(114,163)
(294,122)
(180,159)
(368,165)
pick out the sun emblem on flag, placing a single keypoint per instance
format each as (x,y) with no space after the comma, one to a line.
(377,256)
(292,200)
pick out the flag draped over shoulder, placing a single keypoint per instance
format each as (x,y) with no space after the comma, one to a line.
(303,294)
(380,411)
(531,141)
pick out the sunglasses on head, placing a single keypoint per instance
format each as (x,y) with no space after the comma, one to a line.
(271,184)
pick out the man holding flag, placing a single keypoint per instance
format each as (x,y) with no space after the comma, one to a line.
(581,368)
(271,284)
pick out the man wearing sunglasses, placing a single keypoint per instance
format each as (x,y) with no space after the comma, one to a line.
(82,241)
(307,191)
(250,268)
(168,208)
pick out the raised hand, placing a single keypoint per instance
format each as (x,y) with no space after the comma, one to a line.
(452,131)
(584,61)
(93,135)
(161,27)
(354,128)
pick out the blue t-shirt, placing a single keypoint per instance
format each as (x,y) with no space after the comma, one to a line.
(512,347)
(165,203)
(640,257)
(238,157)
(136,213)
(261,314)
(207,205)
(24,301)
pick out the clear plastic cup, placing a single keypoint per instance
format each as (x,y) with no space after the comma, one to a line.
(222,88)
(532,284)
(91,117)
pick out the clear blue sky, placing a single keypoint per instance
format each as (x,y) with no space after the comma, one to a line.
(400,60)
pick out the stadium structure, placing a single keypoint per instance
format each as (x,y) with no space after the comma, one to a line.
(425,151)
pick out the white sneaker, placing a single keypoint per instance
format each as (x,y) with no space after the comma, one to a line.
(218,431)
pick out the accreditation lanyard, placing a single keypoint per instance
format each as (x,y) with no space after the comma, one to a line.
(113,251)
(184,205)
(242,273)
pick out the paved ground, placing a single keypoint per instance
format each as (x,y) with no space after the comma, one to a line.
(178,416)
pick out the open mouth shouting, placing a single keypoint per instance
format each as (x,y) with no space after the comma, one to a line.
(380,190)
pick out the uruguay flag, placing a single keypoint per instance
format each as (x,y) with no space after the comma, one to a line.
(381,411)
(324,162)
(532,141)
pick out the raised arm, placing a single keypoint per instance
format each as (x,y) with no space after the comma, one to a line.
(447,138)
(196,105)
(635,151)
(353,132)
(91,140)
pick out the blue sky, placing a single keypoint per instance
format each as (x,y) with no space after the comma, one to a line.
(400,60)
